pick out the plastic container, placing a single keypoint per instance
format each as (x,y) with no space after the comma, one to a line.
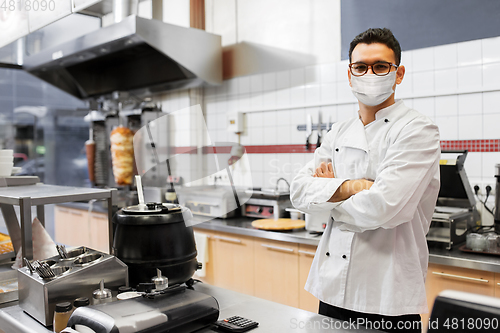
(61,316)
(492,244)
(476,242)
(81,301)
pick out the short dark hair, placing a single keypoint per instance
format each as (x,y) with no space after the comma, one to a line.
(377,35)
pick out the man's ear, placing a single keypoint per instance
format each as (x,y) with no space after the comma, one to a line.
(400,73)
(349,76)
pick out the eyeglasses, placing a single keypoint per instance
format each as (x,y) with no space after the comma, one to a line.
(379,68)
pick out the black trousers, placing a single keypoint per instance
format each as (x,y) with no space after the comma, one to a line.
(405,323)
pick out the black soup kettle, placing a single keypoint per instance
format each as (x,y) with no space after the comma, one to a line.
(151,236)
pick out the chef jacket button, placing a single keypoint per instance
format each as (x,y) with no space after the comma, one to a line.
(336,149)
(344,256)
(386,120)
(328,254)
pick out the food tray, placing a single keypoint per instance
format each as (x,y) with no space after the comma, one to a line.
(464,248)
(6,248)
(279,224)
(8,283)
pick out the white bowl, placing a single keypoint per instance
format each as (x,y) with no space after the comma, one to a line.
(6,169)
(6,152)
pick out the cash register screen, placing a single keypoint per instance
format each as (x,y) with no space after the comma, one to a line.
(456,311)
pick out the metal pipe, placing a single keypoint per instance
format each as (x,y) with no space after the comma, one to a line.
(124,8)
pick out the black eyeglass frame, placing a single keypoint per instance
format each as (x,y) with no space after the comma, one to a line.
(368,67)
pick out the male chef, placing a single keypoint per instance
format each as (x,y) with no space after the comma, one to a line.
(376,176)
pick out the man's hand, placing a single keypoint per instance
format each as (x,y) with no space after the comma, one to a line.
(347,189)
(350,188)
(324,171)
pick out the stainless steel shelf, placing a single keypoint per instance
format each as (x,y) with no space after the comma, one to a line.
(39,195)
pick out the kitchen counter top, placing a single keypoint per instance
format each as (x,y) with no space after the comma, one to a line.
(437,255)
(272,317)
(243,226)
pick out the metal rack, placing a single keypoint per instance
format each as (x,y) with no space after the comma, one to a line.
(26,196)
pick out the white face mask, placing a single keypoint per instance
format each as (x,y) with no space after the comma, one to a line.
(371,89)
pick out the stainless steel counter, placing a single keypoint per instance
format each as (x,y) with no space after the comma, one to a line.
(457,258)
(272,317)
(437,255)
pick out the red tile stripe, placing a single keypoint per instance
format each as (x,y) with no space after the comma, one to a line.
(482,146)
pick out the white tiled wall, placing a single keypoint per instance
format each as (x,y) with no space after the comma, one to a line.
(456,85)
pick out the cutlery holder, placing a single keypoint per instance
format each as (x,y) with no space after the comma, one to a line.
(77,276)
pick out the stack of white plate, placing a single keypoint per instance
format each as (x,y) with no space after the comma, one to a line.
(6,162)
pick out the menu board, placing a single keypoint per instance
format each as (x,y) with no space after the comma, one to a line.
(13,22)
(44,12)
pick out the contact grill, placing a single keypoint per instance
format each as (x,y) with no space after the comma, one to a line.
(455,211)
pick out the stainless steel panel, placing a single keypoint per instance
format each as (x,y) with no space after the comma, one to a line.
(137,55)
(38,296)
(8,279)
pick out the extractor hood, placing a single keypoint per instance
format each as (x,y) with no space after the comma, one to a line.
(137,55)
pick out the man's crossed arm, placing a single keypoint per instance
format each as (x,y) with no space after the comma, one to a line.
(347,189)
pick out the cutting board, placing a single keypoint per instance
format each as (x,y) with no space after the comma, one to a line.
(279,224)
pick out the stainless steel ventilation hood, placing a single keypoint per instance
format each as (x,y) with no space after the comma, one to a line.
(137,55)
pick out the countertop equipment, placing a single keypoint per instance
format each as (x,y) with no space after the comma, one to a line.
(267,203)
(78,275)
(155,236)
(215,201)
(455,210)
(175,309)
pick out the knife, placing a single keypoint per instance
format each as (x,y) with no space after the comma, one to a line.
(319,130)
(308,130)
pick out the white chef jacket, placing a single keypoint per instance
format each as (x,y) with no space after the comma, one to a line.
(373,255)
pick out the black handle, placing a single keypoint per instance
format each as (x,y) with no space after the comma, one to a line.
(307,143)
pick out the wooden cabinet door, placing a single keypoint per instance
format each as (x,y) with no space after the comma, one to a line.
(277,272)
(306,300)
(99,232)
(233,262)
(61,225)
(209,265)
(440,277)
(497,284)
(71,226)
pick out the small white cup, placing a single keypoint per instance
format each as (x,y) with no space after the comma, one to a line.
(6,153)
(6,169)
